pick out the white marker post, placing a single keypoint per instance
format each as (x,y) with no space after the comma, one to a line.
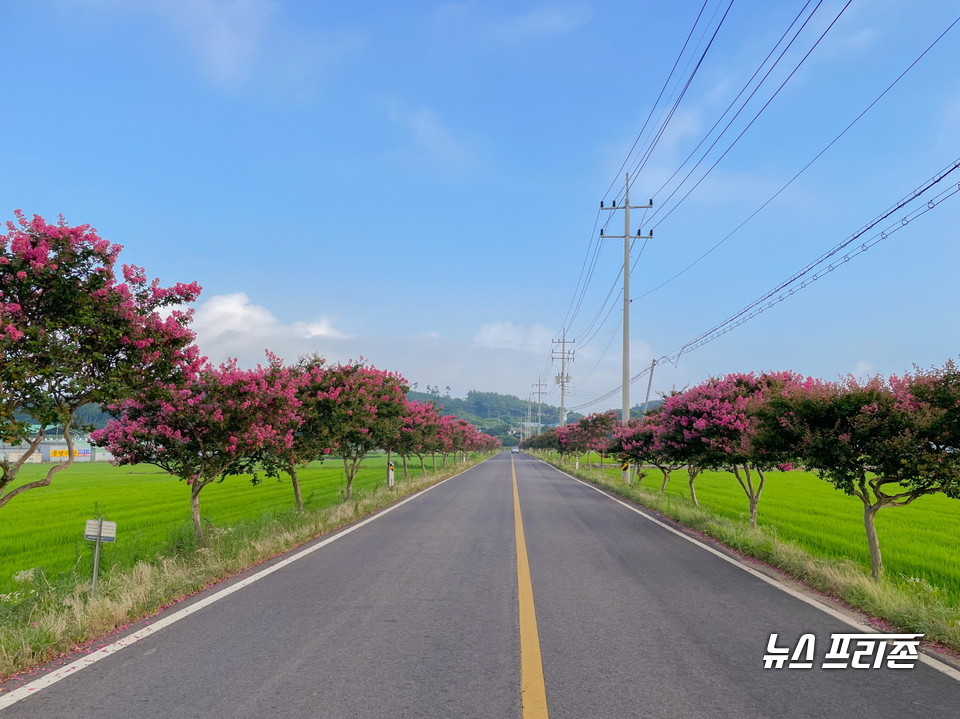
(390,475)
(98,531)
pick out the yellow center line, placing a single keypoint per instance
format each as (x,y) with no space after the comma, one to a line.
(533,693)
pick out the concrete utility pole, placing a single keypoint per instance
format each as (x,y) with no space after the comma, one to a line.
(525,432)
(539,390)
(646,400)
(627,238)
(564,355)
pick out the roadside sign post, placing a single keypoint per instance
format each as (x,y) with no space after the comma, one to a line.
(98,531)
(390,468)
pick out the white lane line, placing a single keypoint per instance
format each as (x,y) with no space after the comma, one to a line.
(925,658)
(53,677)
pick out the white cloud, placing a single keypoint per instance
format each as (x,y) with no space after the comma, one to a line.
(226,35)
(542,21)
(470,23)
(505,357)
(430,142)
(242,42)
(506,335)
(232,326)
(321,327)
(864,370)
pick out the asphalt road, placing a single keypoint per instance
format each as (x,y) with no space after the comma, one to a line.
(415,615)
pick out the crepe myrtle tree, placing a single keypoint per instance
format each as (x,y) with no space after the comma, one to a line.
(218,423)
(296,386)
(571,440)
(73,333)
(446,437)
(359,409)
(597,432)
(421,432)
(669,441)
(466,438)
(886,442)
(638,444)
(715,426)
(545,440)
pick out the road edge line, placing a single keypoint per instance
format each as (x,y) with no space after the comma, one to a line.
(28,690)
(925,658)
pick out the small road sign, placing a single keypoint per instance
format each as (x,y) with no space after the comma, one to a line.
(98,529)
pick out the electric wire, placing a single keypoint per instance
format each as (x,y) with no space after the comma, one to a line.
(659,97)
(745,87)
(588,266)
(806,166)
(810,273)
(739,136)
(641,163)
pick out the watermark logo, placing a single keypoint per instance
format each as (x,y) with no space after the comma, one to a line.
(847,651)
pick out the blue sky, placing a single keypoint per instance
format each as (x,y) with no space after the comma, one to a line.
(417,183)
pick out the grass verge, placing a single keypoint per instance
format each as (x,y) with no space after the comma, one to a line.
(55,618)
(910,606)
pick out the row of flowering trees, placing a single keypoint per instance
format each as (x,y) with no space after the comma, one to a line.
(71,332)
(225,420)
(887,442)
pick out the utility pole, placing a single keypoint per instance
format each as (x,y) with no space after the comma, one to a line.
(627,239)
(564,355)
(525,432)
(539,391)
(646,400)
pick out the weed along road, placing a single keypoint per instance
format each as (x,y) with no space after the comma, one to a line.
(452,605)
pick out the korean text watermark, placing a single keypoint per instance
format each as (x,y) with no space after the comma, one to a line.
(847,651)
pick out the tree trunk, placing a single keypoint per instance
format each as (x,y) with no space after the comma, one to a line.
(295,481)
(666,478)
(195,513)
(43,482)
(692,472)
(349,475)
(873,542)
(423,467)
(753,493)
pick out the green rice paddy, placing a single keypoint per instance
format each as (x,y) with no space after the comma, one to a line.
(43,528)
(919,542)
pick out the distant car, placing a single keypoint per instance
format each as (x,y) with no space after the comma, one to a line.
(515,450)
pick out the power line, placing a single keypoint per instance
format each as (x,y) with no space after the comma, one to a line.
(576,302)
(742,132)
(816,269)
(641,163)
(744,89)
(746,312)
(616,177)
(807,166)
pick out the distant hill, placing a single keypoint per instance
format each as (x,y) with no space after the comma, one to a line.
(500,414)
